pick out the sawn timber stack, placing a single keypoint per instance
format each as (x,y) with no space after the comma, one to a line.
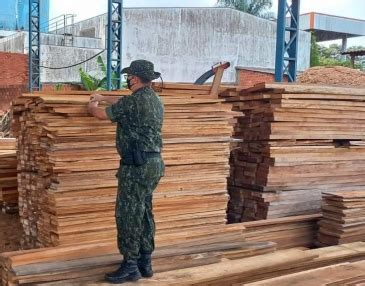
(343,218)
(68,162)
(8,175)
(297,141)
(181,264)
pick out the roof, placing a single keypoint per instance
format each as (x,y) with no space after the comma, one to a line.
(262,70)
(355,53)
(330,27)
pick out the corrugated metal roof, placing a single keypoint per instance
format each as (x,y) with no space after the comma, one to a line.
(330,27)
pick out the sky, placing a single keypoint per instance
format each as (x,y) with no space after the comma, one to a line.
(88,8)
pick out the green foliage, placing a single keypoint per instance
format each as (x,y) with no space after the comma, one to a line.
(58,86)
(92,83)
(315,58)
(89,82)
(331,55)
(101,64)
(255,7)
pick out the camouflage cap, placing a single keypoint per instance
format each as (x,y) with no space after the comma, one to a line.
(143,69)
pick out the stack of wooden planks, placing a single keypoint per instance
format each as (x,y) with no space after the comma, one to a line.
(90,261)
(338,274)
(204,245)
(343,218)
(297,140)
(197,263)
(8,175)
(68,162)
(288,232)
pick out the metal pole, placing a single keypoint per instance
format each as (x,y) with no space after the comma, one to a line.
(293,43)
(30,57)
(120,55)
(114,43)
(287,64)
(280,42)
(110,43)
(34,45)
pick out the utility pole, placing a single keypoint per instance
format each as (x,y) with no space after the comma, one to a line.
(114,57)
(34,45)
(286,51)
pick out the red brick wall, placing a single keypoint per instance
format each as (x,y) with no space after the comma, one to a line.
(13,69)
(248,78)
(8,93)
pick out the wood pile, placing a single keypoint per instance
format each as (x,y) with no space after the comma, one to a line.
(68,162)
(241,271)
(8,175)
(339,274)
(343,218)
(297,141)
(288,232)
(181,264)
(204,245)
(89,262)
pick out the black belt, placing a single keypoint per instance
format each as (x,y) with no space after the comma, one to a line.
(138,158)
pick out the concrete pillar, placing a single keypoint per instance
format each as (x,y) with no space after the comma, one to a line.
(344,47)
(344,44)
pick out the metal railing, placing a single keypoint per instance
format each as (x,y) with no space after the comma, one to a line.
(61,25)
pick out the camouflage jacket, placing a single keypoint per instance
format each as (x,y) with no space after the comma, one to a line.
(139,119)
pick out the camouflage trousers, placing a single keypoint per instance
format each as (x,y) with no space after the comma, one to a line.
(134,212)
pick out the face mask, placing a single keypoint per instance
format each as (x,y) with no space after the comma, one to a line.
(129,84)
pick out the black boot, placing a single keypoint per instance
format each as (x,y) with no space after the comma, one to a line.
(128,271)
(145,266)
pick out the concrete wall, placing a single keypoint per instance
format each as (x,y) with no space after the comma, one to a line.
(13,43)
(18,42)
(56,56)
(182,42)
(53,54)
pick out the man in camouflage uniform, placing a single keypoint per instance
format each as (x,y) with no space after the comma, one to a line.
(139,120)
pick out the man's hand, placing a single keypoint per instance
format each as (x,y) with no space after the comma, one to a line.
(92,104)
(96,111)
(95,97)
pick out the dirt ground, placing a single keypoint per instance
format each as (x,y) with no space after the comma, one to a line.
(10,232)
(333,76)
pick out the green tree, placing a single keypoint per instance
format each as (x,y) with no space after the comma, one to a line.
(92,83)
(255,7)
(331,55)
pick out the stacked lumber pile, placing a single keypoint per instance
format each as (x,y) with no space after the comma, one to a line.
(68,162)
(339,274)
(343,218)
(288,232)
(181,264)
(8,175)
(297,141)
(198,247)
(90,261)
